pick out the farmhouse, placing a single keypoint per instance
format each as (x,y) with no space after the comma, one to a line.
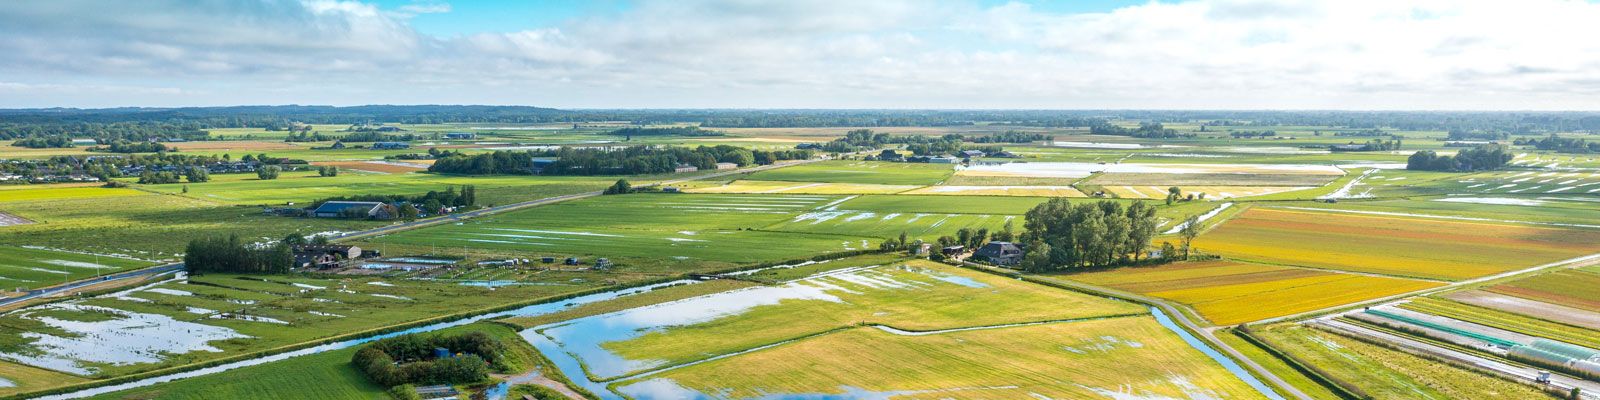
(390,129)
(971,154)
(337,145)
(726,165)
(460,135)
(808,146)
(1003,253)
(943,159)
(334,209)
(390,146)
(307,260)
(342,251)
(685,168)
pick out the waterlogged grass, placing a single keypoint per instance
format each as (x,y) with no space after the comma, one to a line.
(921,303)
(683,226)
(327,375)
(905,203)
(307,186)
(789,187)
(660,295)
(28,379)
(1416,247)
(1227,292)
(31,268)
(868,172)
(149,225)
(1130,357)
(927,227)
(1389,374)
(280,312)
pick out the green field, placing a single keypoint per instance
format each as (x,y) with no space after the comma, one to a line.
(31,268)
(656,226)
(1389,374)
(885,173)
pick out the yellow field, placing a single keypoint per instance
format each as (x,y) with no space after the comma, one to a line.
(29,378)
(57,193)
(1212,192)
(1028,191)
(1415,247)
(748,186)
(1074,360)
(1227,292)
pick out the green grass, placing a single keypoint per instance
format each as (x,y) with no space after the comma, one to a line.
(28,379)
(327,375)
(149,226)
(885,173)
(1277,367)
(31,268)
(659,226)
(661,295)
(1218,179)
(935,204)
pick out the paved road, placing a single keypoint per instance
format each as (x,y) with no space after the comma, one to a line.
(1524,374)
(42,292)
(1207,334)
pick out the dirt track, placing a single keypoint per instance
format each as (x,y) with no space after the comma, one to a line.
(8,220)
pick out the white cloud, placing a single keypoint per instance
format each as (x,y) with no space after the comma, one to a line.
(1408,54)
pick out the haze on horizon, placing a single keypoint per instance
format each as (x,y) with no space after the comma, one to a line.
(1201,54)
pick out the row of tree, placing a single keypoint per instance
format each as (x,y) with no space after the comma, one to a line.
(1560,144)
(631,160)
(431,202)
(1145,130)
(124,146)
(665,131)
(1370,145)
(46,142)
(1060,234)
(1480,158)
(232,255)
(417,363)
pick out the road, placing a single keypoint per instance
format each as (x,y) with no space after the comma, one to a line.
(1206,334)
(47,291)
(1591,390)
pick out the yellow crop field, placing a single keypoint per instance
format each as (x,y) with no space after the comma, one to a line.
(1228,292)
(783,187)
(57,193)
(1413,247)
(1027,191)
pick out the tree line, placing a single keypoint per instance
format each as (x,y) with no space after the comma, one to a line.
(630,160)
(923,145)
(1145,130)
(1062,235)
(232,255)
(1560,144)
(417,363)
(430,202)
(124,146)
(665,131)
(1480,158)
(1370,145)
(45,142)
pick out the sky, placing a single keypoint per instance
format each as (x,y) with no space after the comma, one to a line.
(832,54)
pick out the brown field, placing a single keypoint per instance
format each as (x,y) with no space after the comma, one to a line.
(1422,248)
(1571,287)
(1538,309)
(233,146)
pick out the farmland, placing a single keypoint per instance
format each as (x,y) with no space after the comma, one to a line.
(862,362)
(865,172)
(1229,293)
(1390,374)
(1392,245)
(1570,287)
(31,268)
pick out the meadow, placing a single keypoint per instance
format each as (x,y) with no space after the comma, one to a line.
(1227,292)
(786,187)
(57,192)
(916,296)
(863,172)
(1119,358)
(306,186)
(655,226)
(32,268)
(1392,245)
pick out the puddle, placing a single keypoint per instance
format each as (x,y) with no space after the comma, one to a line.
(1227,363)
(131,339)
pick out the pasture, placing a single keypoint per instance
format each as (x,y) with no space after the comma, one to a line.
(1228,293)
(916,296)
(32,268)
(862,172)
(1129,357)
(1411,247)
(1027,191)
(31,193)
(1390,374)
(786,187)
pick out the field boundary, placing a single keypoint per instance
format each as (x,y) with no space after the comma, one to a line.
(1338,386)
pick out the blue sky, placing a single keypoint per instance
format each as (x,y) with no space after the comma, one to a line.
(986,54)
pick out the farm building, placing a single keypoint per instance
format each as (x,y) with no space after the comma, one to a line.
(808,146)
(460,135)
(952,250)
(672,189)
(337,145)
(685,168)
(971,154)
(390,129)
(342,251)
(390,146)
(726,165)
(944,159)
(437,392)
(1003,253)
(83,142)
(335,209)
(308,260)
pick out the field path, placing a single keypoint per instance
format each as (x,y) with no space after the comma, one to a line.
(1206,334)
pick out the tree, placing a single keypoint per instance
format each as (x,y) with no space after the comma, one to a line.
(185,189)
(1191,228)
(964,237)
(432,206)
(267,172)
(1007,233)
(621,187)
(328,170)
(1037,259)
(408,211)
(294,239)
(1173,193)
(1168,251)
(196,175)
(1142,226)
(319,240)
